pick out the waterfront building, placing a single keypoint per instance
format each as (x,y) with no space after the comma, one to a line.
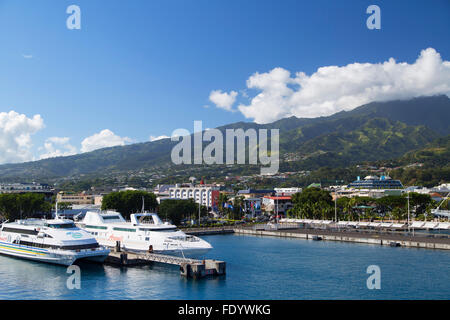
(253,206)
(98,200)
(373,182)
(24,187)
(287,191)
(73,198)
(254,193)
(277,204)
(163,190)
(205,195)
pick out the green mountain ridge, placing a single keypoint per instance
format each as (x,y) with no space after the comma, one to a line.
(375,131)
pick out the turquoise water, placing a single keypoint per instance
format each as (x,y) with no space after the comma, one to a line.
(257,268)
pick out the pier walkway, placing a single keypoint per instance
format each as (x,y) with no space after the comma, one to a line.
(190,268)
(396,239)
(402,238)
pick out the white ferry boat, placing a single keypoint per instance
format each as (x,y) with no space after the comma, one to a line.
(145,232)
(55,241)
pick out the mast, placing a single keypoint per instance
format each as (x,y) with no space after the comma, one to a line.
(335,207)
(56,209)
(409,230)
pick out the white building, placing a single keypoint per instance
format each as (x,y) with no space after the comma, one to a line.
(205,195)
(24,187)
(287,191)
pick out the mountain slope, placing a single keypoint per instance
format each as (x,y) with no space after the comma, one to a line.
(374,131)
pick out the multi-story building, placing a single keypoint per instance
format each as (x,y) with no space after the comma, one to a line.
(163,190)
(23,187)
(254,193)
(276,204)
(74,198)
(27,188)
(287,191)
(205,195)
(253,206)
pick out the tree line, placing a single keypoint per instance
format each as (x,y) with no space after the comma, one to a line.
(314,203)
(128,202)
(16,206)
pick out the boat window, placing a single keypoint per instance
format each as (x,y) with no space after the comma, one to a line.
(124,229)
(159,229)
(96,227)
(16,230)
(62,225)
(146,220)
(73,247)
(111,218)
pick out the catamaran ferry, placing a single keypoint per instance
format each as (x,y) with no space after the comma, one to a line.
(55,241)
(145,232)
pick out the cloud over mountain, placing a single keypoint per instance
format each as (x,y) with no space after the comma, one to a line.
(156,138)
(57,147)
(103,139)
(332,88)
(223,100)
(15,136)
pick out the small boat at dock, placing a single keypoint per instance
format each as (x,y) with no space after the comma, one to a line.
(56,241)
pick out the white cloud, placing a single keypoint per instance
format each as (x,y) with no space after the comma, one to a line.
(27,56)
(332,89)
(105,138)
(15,136)
(154,138)
(57,147)
(223,100)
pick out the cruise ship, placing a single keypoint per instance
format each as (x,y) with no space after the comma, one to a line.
(374,182)
(56,241)
(145,232)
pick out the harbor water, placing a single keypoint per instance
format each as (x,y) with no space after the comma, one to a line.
(257,268)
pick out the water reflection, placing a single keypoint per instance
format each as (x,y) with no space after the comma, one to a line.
(257,268)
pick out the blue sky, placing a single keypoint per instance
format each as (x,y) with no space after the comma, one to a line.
(141,68)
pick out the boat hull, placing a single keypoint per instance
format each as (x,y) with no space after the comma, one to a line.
(48,256)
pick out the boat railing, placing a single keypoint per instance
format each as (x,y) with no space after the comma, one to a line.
(185,238)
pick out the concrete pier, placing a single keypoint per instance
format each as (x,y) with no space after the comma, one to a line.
(190,268)
(208,231)
(352,236)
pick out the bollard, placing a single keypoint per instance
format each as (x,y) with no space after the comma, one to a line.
(123,259)
(185,269)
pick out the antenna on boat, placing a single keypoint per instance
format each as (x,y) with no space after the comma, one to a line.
(56,209)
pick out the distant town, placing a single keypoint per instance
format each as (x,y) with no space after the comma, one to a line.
(221,201)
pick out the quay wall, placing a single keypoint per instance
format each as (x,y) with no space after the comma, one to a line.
(346,238)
